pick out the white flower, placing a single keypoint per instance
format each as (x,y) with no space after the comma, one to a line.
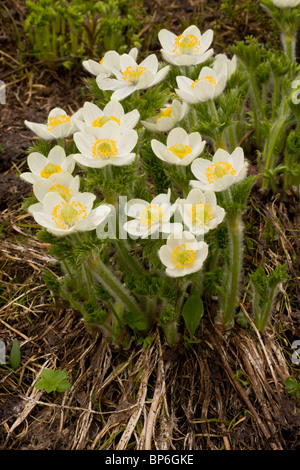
(181,149)
(189,48)
(183,255)
(167,117)
(222,172)
(220,60)
(59,125)
(132,77)
(93,116)
(43,167)
(200,211)
(208,86)
(62,217)
(152,217)
(286,3)
(62,183)
(109,62)
(105,145)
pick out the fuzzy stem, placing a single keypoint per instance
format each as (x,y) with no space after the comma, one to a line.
(105,276)
(235,235)
(289,44)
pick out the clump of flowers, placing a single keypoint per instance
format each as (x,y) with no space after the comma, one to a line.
(142,202)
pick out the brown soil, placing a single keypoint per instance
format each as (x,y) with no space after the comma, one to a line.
(227,392)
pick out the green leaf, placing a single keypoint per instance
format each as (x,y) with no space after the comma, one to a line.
(192,313)
(15,355)
(53,381)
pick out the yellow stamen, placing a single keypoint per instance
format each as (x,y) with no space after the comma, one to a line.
(180,150)
(201,214)
(57,120)
(151,215)
(100,121)
(63,191)
(217,170)
(104,149)
(50,169)
(164,112)
(132,75)
(183,256)
(67,214)
(208,79)
(188,44)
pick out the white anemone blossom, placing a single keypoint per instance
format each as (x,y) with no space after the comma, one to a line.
(220,60)
(109,62)
(208,86)
(59,125)
(105,145)
(150,218)
(181,149)
(286,3)
(167,118)
(61,217)
(62,183)
(183,255)
(93,116)
(200,212)
(224,170)
(42,167)
(189,48)
(133,77)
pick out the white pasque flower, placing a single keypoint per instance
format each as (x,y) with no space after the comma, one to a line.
(109,62)
(167,118)
(93,116)
(106,145)
(133,77)
(181,149)
(62,217)
(62,183)
(59,125)
(43,167)
(208,86)
(150,218)
(286,3)
(200,212)
(189,48)
(220,60)
(183,255)
(224,170)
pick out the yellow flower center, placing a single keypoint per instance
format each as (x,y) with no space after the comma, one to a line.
(104,149)
(151,215)
(165,112)
(50,169)
(188,44)
(201,214)
(217,170)
(183,257)
(63,191)
(208,79)
(180,150)
(57,120)
(65,215)
(100,121)
(132,75)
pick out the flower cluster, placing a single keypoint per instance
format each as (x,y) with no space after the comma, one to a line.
(109,136)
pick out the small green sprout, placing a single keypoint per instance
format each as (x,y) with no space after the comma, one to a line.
(53,381)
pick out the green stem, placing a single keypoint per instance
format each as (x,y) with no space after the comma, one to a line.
(105,276)
(235,235)
(289,44)
(270,154)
